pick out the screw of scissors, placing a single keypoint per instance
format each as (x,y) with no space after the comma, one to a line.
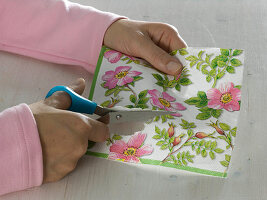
(118,116)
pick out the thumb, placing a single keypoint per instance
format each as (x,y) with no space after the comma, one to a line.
(78,86)
(160,59)
(61,100)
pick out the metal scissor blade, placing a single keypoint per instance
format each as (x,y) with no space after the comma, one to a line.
(132,115)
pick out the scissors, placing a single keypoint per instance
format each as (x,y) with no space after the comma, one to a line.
(116,114)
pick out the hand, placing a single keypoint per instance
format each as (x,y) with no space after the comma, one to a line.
(64,135)
(149,40)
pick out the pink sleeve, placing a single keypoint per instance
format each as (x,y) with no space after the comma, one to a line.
(21,164)
(54,30)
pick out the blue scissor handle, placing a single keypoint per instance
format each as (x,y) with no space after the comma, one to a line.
(78,103)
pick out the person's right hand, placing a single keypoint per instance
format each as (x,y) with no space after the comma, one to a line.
(64,135)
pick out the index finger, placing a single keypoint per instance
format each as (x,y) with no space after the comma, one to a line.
(99,131)
(166,36)
(104,119)
(177,42)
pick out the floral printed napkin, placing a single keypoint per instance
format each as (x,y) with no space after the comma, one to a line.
(206,97)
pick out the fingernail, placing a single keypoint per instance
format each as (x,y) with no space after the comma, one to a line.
(173,67)
(77,82)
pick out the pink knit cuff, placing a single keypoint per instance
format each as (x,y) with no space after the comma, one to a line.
(21,163)
(33,150)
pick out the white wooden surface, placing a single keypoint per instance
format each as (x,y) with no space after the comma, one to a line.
(205,23)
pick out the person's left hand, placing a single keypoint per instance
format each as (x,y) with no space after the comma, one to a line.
(149,40)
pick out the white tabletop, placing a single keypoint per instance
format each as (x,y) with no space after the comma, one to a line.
(207,23)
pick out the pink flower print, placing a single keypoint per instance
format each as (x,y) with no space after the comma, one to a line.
(112,56)
(178,76)
(130,151)
(121,76)
(226,96)
(165,101)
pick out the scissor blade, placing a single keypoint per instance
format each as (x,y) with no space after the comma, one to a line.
(135,115)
